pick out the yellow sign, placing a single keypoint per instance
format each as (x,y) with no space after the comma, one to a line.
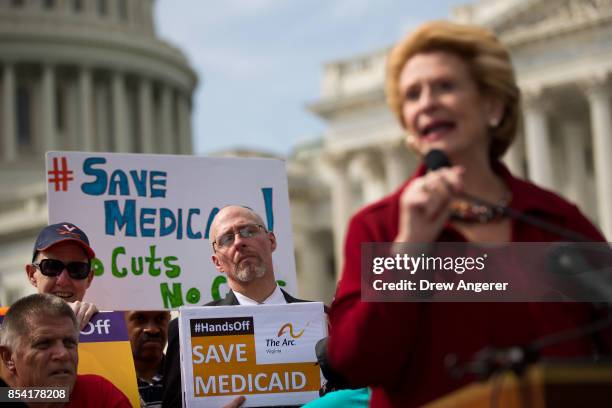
(254,351)
(104,349)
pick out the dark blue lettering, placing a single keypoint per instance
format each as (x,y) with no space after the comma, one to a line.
(145,220)
(98,186)
(167,222)
(140,182)
(118,178)
(190,233)
(179,224)
(267,195)
(211,217)
(114,216)
(157,178)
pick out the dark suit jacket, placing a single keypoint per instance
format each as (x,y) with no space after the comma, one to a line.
(172,395)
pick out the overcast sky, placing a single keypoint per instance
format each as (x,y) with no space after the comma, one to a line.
(259,62)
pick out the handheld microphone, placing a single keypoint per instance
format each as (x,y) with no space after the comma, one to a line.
(436,159)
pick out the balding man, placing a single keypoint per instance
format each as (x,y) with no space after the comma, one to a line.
(242,250)
(38,348)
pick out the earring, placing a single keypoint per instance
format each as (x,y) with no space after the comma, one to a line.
(410,142)
(493,122)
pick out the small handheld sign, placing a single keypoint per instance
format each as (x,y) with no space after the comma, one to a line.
(265,353)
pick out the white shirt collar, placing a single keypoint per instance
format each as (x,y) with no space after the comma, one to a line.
(276,298)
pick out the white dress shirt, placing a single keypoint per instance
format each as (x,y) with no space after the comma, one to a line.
(275,298)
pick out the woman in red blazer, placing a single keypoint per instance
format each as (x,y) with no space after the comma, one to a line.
(452,87)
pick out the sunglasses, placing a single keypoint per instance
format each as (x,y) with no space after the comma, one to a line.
(54,267)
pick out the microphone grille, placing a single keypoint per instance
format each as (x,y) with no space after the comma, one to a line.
(436,159)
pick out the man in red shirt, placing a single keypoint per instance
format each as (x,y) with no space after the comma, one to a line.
(38,348)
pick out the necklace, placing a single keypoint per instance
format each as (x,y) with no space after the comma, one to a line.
(474,212)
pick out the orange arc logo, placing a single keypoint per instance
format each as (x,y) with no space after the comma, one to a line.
(290,327)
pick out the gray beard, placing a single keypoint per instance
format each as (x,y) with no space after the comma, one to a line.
(249,273)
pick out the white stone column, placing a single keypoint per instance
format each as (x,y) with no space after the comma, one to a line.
(335,175)
(394,162)
(9,135)
(575,163)
(366,168)
(123,11)
(398,164)
(514,157)
(121,140)
(184,124)
(145,115)
(113,10)
(102,116)
(314,279)
(134,13)
(48,109)
(331,85)
(71,136)
(539,155)
(89,9)
(85,118)
(168,139)
(598,95)
(147,17)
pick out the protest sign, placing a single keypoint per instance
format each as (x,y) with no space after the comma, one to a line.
(264,352)
(104,349)
(148,219)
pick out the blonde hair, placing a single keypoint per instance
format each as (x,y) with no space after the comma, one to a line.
(487,59)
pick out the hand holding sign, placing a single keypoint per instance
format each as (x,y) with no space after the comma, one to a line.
(237,402)
(83,312)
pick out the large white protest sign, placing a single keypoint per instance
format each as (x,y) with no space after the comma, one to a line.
(148,220)
(265,353)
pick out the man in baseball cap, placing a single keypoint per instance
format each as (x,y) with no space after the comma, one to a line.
(61,266)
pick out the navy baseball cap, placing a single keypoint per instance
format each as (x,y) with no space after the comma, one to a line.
(62,232)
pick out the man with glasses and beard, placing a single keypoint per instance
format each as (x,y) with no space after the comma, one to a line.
(242,250)
(61,266)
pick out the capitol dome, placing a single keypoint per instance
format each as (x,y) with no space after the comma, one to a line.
(90,75)
(85,75)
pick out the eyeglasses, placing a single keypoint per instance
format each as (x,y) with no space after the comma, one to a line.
(248,231)
(54,267)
